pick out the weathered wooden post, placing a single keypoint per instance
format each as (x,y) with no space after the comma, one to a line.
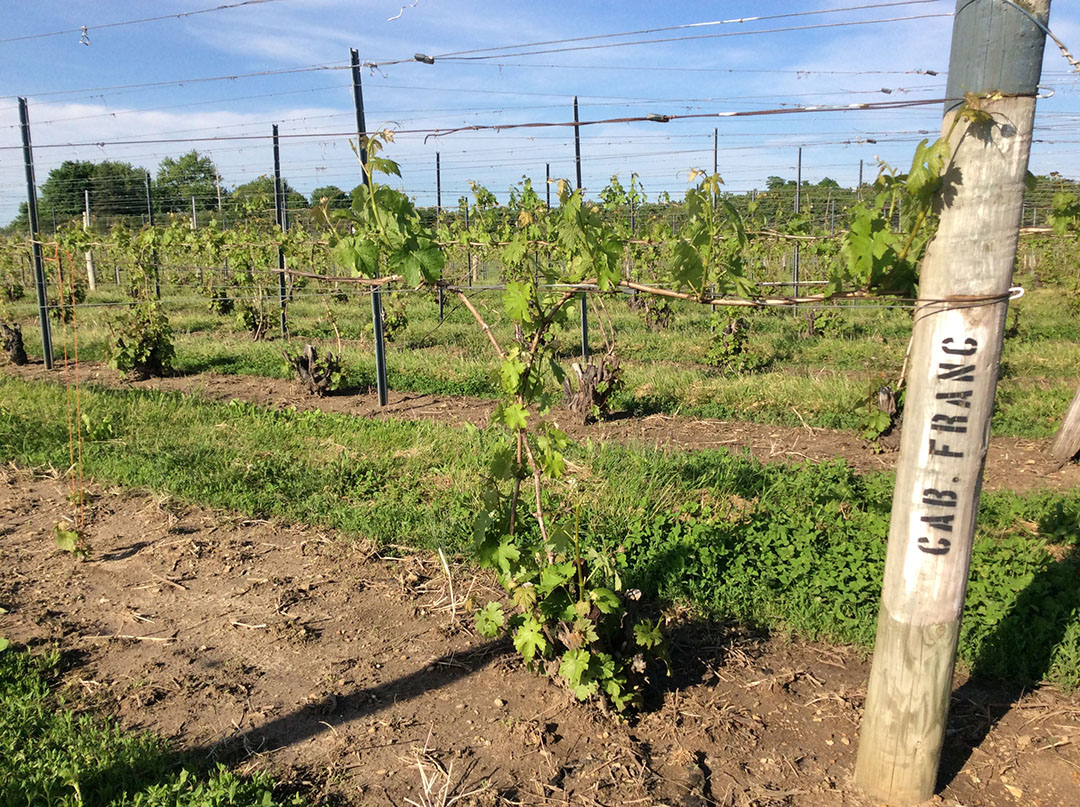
(1066,443)
(91,276)
(956,350)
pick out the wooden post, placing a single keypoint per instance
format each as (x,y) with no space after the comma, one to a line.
(468,246)
(91,276)
(955,355)
(1067,442)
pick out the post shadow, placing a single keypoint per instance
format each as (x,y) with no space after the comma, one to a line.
(1025,639)
(138,772)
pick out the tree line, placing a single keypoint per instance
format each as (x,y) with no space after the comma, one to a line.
(119,189)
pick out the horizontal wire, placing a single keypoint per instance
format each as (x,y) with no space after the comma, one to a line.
(516,50)
(864,106)
(180,82)
(788,29)
(87,28)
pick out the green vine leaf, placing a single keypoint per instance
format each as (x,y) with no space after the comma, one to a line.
(515,416)
(647,635)
(529,639)
(506,555)
(490,620)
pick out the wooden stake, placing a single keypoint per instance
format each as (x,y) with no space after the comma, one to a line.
(955,355)
(91,277)
(1067,442)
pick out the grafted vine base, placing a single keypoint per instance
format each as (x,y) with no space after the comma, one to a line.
(13,343)
(320,376)
(588,389)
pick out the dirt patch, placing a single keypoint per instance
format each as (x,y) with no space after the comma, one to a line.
(1011,463)
(290,649)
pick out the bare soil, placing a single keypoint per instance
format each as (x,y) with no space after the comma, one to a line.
(1011,463)
(281,647)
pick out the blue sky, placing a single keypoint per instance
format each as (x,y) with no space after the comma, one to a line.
(80,93)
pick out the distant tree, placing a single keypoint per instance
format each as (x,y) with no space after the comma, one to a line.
(180,179)
(774,182)
(20,224)
(336,197)
(828,183)
(258,196)
(115,189)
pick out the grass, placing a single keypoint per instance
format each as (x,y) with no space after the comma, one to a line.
(53,756)
(817,379)
(792,548)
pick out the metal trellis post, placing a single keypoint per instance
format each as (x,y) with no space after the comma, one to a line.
(153,255)
(279,213)
(376,292)
(584,295)
(32,214)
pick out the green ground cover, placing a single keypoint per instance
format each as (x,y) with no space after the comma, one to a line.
(785,548)
(820,379)
(52,755)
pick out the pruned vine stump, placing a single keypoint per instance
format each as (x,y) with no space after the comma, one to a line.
(13,343)
(588,389)
(315,373)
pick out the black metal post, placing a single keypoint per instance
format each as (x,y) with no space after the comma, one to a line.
(547,184)
(438,189)
(32,214)
(798,208)
(577,145)
(279,214)
(153,255)
(584,296)
(376,292)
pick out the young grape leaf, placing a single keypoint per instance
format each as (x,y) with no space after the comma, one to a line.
(529,639)
(490,619)
(506,554)
(66,540)
(515,416)
(648,636)
(575,663)
(607,601)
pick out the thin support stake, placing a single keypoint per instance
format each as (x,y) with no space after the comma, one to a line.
(584,327)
